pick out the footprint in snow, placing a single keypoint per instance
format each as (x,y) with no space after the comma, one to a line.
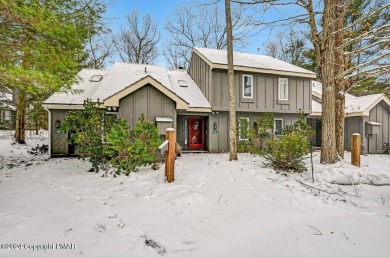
(267,198)
(200,185)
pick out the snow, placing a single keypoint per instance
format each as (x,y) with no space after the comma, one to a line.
(123,75)
(192,93)
(80,91)
(214,208)
(354,106)
(217,56)
(5,100)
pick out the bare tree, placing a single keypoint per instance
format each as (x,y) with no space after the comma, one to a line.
(203,26)
(98,50)
(232,97)
(138,43)
(289,48)
(330,36)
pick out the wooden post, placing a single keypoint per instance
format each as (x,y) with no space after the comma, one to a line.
(170,155)
(355,150)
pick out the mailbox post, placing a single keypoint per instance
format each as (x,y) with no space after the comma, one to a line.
(169,148)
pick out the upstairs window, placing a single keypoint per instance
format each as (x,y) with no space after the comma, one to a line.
(283,89)
(7,115)
(278,126)
(247,86)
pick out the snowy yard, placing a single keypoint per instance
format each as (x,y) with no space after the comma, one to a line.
(215,208)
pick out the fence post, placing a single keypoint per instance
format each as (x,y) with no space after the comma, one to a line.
(355,150)
(170,155)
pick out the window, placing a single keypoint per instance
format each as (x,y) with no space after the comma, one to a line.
(243,128)
(247,86)
(278,126)
(7,115)
(283,89)
(182,83)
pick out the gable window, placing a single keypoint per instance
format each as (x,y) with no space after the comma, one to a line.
(283,89)
(278,126)
(247,86)
(243,128)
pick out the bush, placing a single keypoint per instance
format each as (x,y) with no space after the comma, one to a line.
(87,129)
(256,136)
(286,152)
(128,149)
(108,140)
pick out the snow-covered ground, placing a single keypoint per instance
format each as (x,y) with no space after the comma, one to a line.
(214,208)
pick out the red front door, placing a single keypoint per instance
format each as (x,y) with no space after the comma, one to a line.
(196,133)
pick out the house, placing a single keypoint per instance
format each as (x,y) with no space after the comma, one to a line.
(194,102)
(7,110)
(367,115)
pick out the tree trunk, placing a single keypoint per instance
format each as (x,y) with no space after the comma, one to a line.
(21,117)
(328,137)
(232,97)
(340,8)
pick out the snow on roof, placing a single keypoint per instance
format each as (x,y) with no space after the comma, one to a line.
(353,105)
(316,107)
(317,90)
(360,104)
(192,93)
(217,56)
(123,75)
(80,91)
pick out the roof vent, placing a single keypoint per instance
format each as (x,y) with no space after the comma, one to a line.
(146,70)
(96,78)
(182,83)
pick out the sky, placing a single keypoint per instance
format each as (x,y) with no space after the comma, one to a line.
(161,10)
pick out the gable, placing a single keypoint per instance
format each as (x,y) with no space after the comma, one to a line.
(113,100)
(217,59)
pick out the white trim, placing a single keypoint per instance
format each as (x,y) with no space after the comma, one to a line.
(49,130)
(239,128)
(279,91)
(277,119)
(199,109)
(243,86)
(62,106)
(113,100)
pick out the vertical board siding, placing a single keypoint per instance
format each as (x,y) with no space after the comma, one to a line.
(379,114)
(199,71)
(59,142)
(149,101)
(265,93)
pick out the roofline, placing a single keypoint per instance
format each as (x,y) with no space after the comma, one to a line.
(252,69)
(199,109)
(113,100)
(63,106)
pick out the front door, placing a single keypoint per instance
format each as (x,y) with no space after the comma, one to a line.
(196,133)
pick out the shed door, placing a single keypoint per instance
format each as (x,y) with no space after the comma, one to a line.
(196,133)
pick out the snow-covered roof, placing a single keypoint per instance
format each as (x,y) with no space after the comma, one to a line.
(185,87)
(123,75)
(354,106)
(80,91)
(361,104)
(266,64)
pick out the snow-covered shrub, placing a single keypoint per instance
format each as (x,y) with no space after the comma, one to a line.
(285,153)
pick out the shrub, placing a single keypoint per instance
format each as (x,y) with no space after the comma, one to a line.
(286,152)
(128,149)
(87,129)
(257,135)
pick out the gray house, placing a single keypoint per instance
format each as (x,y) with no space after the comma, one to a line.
(7,109)
(367,115)
(195,102)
